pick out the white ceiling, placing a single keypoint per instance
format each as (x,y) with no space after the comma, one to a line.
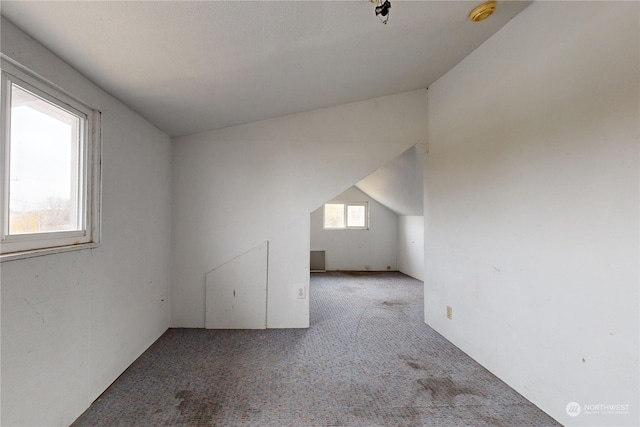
(191,66)
(398,184)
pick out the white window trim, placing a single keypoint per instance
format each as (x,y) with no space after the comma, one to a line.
(346,207)
(32,245)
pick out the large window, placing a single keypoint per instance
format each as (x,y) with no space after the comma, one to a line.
(339,216)
(49,177)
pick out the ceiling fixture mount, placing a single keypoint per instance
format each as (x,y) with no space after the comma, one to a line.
(382,9)
(483,11)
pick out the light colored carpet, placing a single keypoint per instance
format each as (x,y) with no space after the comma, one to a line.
(368,359)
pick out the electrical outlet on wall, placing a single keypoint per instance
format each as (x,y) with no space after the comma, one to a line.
(302,292)
(449,312)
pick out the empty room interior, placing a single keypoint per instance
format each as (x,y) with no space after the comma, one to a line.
(348,213)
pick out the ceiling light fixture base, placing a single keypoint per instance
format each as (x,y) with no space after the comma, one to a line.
(483,11)
(382,9)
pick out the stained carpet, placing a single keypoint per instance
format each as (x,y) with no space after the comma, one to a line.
(368,359)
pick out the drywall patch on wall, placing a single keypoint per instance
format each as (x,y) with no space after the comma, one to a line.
(531,207)
(236,293)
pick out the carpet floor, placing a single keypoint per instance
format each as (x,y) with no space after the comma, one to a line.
(368,359)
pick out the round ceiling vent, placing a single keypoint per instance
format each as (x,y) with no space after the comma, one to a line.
(483,11)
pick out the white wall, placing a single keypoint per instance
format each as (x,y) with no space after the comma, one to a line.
(399,184)
(375,249)
(73,322)
(237,187)
(411,246)
(531,206)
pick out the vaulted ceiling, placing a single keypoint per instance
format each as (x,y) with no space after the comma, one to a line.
(398,184)
(193,66)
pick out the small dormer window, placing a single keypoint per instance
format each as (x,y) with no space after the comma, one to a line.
(342,216)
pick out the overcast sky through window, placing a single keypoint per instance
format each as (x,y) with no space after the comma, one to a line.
(40,158)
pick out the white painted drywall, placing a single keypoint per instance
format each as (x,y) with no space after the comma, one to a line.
(73,322)
(236,293)
(411,246)
(531,208)
(375,249)
(236,187)
(398,184)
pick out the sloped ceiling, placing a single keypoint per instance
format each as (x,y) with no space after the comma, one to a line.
(398,185)
(194,66)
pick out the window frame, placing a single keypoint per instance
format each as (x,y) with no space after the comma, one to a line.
(346,216)
(17,246)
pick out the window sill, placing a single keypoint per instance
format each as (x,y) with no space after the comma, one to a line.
(47,251)
(345,228)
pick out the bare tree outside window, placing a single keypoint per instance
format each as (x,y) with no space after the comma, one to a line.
(43,175)
(50,179)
